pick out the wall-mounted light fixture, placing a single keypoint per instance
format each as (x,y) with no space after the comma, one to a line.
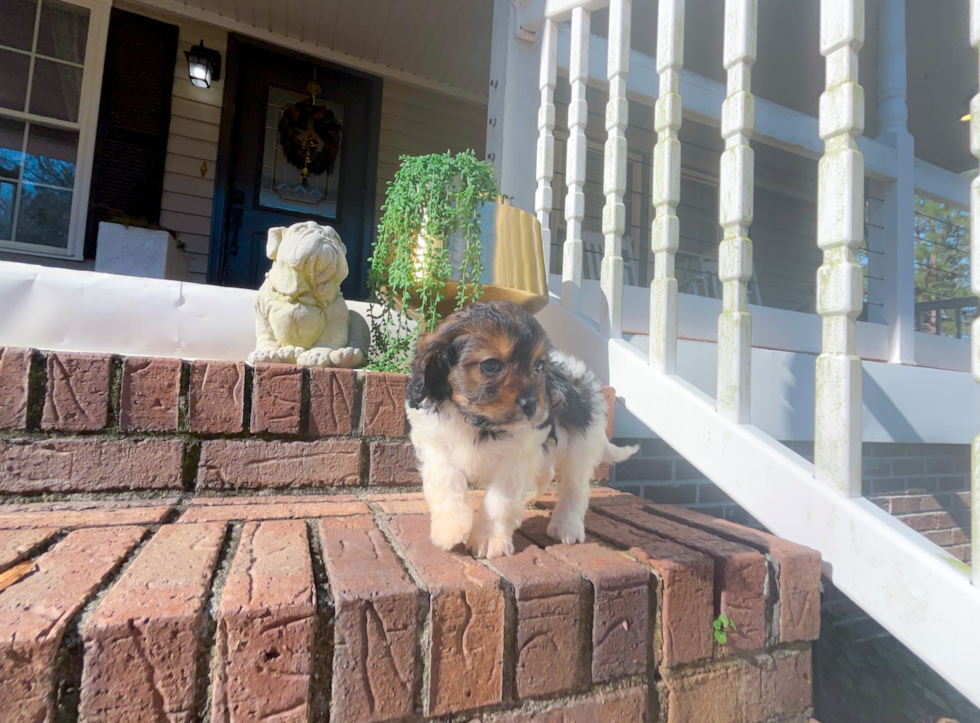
(203,65)
(966,104)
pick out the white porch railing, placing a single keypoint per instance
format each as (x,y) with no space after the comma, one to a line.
(915,589)
(975,287)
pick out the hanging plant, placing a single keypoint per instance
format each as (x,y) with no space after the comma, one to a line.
(431,199)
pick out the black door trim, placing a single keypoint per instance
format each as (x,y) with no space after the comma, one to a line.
(224,169)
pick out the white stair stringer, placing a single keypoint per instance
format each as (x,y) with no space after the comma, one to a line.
(915,589)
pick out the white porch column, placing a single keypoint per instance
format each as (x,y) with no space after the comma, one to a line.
(840,231)
(512,111)
(575,154)
(544,167)
(614,169)
(892,247)
(736,207)
(666,227)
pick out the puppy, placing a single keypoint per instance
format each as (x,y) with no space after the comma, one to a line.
(492,404)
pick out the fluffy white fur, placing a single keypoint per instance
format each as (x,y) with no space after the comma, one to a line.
(517,467)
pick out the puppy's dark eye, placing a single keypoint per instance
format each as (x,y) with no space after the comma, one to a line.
(491,366)
(539,367)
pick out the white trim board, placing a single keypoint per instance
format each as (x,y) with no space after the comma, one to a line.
(902,404)
(776,329)
(311,49)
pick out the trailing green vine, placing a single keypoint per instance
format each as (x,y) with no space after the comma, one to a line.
(430,199)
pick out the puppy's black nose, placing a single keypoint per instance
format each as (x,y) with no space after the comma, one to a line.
(528,405)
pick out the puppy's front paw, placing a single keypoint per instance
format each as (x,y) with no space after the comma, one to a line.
(565,531)
(484,546)
(447,531)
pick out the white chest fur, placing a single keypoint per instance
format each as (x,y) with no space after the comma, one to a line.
(446,438)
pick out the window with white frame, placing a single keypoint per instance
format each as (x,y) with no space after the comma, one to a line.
(51,54)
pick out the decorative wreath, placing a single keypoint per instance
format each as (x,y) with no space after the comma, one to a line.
(298,119)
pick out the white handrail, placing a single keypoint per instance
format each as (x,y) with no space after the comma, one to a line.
(735,210)
(665,234)
(575,156)
(614,168)
(975,287)
(545,161)
(840,231)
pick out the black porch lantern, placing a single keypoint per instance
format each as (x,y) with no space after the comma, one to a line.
(203,65)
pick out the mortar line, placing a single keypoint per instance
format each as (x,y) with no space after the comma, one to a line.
(422,696)
(208,652)
(69,659)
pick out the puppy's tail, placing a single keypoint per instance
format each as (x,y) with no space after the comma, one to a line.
(614,454)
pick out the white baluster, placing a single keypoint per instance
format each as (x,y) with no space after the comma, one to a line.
(975,284)
(665,234)
(736,200)
(840,230)
(545,164)
(614,169)
(575,152)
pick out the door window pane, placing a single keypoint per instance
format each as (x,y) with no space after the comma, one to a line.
(11,145)
(56,90)
(17,28)
(63,31)
(14,68)
(44,216)
(51,155)
(283,185)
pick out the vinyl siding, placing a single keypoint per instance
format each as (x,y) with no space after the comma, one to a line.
(188,195)
(416,122)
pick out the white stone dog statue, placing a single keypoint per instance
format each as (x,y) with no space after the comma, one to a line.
(300,314)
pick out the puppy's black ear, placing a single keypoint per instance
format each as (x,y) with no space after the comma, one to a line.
(430,371)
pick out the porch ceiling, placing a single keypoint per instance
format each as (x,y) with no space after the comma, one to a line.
(446,44)
(444,41)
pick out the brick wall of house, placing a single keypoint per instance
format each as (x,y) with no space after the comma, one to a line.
(927,486)
(211,541)
(660,474)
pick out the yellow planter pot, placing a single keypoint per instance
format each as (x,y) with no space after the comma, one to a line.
(513,260)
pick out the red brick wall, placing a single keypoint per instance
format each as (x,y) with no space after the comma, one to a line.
(73,422)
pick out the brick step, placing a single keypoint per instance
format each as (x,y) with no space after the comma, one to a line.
(284,607)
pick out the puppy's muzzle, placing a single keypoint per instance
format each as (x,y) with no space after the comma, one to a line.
(528,405)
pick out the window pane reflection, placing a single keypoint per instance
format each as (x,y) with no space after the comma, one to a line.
(17,28)
(13,79)
(63,31)
(44,216)
(51,156)
(11,143)
(8,194)
(56,90)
